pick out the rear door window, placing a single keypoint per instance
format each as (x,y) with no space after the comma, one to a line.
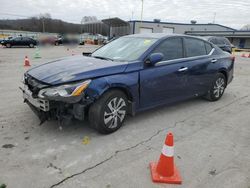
(26,38)
(194,47)
(171,49)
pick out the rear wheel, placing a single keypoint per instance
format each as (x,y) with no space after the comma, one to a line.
(8,45)
(31,45)
(108,113)
(218,87)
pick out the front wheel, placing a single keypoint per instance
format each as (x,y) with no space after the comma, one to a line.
(31,45)
(108,113)
(218,87)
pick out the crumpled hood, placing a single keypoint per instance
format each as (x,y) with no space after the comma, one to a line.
(75,68)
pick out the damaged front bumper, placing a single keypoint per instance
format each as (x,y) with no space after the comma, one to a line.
(41,104)
(51,109)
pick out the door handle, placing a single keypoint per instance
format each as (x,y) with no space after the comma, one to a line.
(182,69)
(213,60)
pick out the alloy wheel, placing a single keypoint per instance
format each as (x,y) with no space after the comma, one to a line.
(219,87)
(115,111)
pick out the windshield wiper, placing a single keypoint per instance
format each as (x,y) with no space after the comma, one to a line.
(105,58)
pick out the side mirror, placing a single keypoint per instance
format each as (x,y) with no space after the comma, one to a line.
(154,58)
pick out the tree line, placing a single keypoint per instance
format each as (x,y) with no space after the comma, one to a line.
(41,24)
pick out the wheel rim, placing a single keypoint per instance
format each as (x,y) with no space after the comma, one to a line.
(219,87)
(115,111)
(31,45)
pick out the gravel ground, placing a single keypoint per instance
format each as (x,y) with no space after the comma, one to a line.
(212,139)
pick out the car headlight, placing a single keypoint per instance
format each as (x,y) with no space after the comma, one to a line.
(69,90)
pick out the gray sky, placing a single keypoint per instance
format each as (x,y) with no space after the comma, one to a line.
(232,13)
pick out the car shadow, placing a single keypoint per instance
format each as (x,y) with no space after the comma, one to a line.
(83,127)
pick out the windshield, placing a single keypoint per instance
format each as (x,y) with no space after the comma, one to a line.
(124,49)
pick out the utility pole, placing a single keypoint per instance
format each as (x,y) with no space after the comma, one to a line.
(141,9)
(43,25)
(214,17)
(132,15)
(141,12)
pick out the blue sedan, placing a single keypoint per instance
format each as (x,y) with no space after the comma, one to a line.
(126,76)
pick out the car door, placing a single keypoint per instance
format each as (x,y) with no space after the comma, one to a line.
(22,41)
(166,81)
(25,41)
(17,41)
(198,57)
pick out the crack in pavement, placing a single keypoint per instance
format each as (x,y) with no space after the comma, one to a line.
(211,111)
(109,158)
(226,105)
(138,144)
(119,151)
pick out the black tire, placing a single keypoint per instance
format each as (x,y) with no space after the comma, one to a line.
(31,45)
(56,44)
(101,122)
(216,92)
(8,45)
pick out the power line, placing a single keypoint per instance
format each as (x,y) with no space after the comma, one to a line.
(9,14)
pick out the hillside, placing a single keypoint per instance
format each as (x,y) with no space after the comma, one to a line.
(36,25)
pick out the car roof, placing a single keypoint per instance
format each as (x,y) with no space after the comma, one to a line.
(159,35)
(213,37)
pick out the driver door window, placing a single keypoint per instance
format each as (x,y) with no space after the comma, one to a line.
(171,49)
(17,39)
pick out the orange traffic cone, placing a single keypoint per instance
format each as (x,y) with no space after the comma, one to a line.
(26,62)
(165,171)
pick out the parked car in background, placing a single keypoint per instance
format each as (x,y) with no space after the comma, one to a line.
(221,42)
(47,40)
(19,41)
(128,75)
(66,41)
(82,42)
(106,41)
(89,38)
